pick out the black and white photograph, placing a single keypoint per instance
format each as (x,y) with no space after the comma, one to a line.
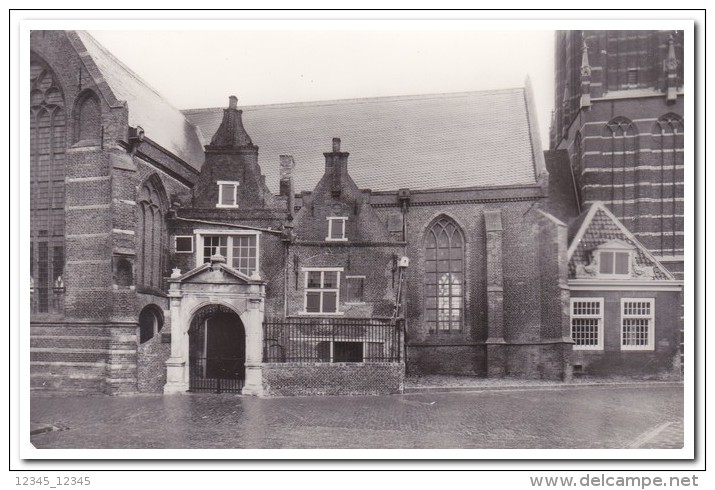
(347,236)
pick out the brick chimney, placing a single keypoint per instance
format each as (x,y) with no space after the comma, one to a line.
(336,165)
(286,180)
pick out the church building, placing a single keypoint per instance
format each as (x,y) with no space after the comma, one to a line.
(336,247)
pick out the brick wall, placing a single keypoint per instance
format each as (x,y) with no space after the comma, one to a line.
(289,379)
(151,367)
(612,360)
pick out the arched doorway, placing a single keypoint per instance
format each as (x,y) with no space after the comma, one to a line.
(217,350)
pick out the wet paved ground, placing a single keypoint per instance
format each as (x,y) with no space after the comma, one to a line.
(649,416)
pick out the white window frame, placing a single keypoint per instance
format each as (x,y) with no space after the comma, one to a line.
(199,249)
(347,279)
(599,345)
(184,251)
(306,290)
(331,219)
(221,184)
(614,252)
(651,324)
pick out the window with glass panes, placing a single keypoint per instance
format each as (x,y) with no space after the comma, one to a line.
(240,251)
(444,277)
(637,324)
(322,290)
(614,263)
(48,141)
(587,323)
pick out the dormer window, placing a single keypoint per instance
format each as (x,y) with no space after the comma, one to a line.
(227,194)
(336,229)
(615,259)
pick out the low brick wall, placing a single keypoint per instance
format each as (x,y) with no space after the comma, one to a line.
(292,379)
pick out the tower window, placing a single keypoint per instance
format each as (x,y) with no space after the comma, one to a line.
(227,194)
(336,229)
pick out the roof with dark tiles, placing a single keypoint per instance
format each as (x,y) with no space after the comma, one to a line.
(472,139)
(162,123)
(596,226)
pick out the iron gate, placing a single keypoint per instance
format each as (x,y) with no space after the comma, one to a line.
(216,375)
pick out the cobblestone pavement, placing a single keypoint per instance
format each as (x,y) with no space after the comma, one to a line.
(563,417)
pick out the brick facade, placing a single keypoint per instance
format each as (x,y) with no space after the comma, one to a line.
(486,291)
(626,145)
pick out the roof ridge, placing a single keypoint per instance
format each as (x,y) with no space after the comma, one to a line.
(363,100)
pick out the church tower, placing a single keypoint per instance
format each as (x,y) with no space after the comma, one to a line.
(619,117)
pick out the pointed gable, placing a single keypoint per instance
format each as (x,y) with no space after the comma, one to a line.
(598,229)
(337,210)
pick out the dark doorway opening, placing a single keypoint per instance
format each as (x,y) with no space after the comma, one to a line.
(217,351)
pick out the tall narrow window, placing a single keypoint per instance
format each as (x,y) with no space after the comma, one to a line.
(444,277)
(151,231)
(668,149)
(47,188)
(623,148)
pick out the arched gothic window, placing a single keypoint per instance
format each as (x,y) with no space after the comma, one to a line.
(88,119)
(668,149)
(151,232)
(623,149)
(444,277)
(47,187)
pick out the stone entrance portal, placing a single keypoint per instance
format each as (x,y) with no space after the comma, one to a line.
(216,330)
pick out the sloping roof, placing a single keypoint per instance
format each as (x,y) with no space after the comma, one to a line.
(596,226)
(471,139)
(162,123)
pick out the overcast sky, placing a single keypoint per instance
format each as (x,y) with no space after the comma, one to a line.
(193,69)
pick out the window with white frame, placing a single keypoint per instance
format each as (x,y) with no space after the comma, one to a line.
(614,259)
(587,323)
(183,244)
(240,251)
(322,290)
(637,328)
(355,289)
(227,194)
(336,229)
(613,263)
